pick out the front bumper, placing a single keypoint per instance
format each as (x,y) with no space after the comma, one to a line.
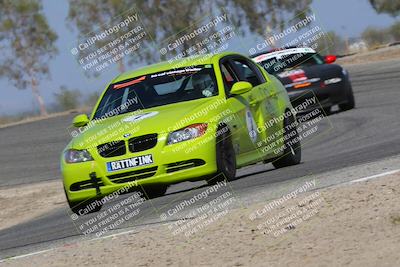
(328,96)
(186,161)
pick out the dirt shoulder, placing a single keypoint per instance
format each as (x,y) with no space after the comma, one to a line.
(8,122)
(25,202)
(381,54)
(349,225)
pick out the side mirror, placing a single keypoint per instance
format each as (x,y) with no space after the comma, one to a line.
(80,120)
(241,88)
(329,59)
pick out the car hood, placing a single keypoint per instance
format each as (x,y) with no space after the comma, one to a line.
(309,74)
(161,119)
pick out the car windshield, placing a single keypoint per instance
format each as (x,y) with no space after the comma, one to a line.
(157,89)
(289,61)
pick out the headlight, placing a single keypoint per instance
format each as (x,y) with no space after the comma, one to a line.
(75,156)
(187,133)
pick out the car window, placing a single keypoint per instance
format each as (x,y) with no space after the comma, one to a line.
(228,76)
(168,88)
(246,72)
(283,63)
(157,89)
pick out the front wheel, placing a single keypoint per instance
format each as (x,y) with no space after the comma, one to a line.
(226,159)
(292,147)
(155,191)
(350,103)
(84,207)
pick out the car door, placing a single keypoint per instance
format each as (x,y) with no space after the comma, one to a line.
(243,124)
(267,112)
(252,109)
(237,109)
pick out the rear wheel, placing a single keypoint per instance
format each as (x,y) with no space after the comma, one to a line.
(292,147)
(350,103)
(225,157)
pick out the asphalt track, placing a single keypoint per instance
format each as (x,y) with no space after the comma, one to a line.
(30,152)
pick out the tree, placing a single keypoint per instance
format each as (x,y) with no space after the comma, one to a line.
(67,99)
(91,99)
(271,13)
(165,19)
(28,44)
(331,43)
(375,37)
(89,16)
(395,31)
(391,7)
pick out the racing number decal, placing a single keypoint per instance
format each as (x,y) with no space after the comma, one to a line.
(294,75)
(251,126)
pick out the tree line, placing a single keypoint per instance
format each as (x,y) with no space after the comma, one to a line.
(28,41)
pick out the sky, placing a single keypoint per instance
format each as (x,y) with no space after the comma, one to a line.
(348,18)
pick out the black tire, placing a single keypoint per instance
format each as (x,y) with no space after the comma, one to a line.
(79,208)
(350,103)
(292,151)
(155,191)
(226,159)
(327,110)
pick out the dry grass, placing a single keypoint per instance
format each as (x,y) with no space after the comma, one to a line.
(395,219)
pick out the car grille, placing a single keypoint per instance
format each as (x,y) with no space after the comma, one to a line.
(182,165)
(141,143)
(132,175)
(87,184)
(135,144)
(112,149)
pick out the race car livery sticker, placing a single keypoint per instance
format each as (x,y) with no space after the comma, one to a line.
(283,52)
(139,117)
(124,85)
(130,163)
(261,58)
(206,93)
(333,80)
(296,75)
(302,84)
(251,126)
(176,72)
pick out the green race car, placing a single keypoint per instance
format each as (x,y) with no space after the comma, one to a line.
(198,118)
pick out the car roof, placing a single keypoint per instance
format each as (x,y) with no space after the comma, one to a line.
(166,65)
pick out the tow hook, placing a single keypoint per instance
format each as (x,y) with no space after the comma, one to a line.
(93,178)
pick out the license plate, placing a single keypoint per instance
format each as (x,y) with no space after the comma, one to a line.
(130,163)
